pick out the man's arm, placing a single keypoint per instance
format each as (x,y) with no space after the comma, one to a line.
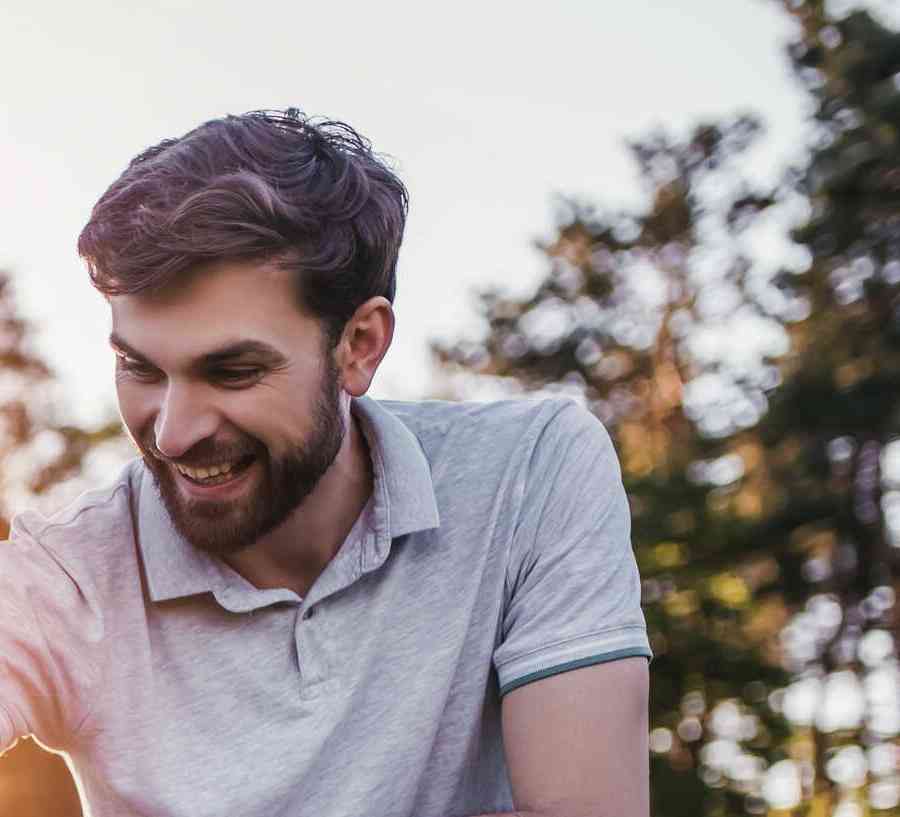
(576,743)
(572,664)
(49,633)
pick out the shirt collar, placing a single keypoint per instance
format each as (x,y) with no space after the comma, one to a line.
(404,502)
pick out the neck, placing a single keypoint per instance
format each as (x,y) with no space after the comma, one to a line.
(295,553)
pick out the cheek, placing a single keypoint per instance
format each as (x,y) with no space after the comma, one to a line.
(278,420)
(136,406)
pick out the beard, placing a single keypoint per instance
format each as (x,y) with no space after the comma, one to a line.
(223,528)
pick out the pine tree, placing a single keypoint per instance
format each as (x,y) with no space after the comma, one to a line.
(635,317)
(764,502)
(838,414)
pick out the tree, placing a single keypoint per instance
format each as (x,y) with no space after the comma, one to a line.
(839,410)
(624,320)
(40,455)
(759,518)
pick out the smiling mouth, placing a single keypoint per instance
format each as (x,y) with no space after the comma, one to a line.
(216,474)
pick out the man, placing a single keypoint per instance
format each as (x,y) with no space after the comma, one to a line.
(298,600)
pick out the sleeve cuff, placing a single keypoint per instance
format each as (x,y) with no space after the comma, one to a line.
(596,648)
(581,662)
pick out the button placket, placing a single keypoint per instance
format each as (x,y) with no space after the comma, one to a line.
(308,639)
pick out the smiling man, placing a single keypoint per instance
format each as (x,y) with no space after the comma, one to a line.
(298,600)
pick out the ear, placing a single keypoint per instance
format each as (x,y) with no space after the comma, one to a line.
(364,342)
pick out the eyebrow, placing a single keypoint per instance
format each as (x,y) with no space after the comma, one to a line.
(223,354)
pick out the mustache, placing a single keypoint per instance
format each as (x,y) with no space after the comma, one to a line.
(204,454)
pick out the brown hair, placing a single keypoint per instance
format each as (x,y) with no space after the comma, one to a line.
(266,185)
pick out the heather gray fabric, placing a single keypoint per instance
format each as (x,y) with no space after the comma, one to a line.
(495,551)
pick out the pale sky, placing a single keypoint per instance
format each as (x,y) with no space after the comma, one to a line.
(488,108)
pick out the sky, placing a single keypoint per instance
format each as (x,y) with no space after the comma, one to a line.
(489,111)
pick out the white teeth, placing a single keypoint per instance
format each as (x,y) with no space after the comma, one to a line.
(206,473)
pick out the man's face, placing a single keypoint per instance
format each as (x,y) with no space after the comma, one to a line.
(226,389)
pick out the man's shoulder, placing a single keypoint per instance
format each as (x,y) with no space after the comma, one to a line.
(450,411)
(92,519)
(480,429)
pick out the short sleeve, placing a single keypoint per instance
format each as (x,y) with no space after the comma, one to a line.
(572,590)
(46,625)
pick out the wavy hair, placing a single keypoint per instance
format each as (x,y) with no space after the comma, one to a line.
(266,185)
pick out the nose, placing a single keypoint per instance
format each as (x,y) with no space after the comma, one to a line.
(183,420)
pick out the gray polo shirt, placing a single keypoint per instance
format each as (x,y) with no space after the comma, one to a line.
(494,551)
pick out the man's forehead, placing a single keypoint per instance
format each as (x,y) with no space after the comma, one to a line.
(198,327)
(218,306)
(225,292)
(218,282)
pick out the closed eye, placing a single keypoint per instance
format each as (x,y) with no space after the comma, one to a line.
(139,369)
(230,377)
(237,377)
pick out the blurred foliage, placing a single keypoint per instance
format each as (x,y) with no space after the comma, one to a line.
(37,452)
(756,412)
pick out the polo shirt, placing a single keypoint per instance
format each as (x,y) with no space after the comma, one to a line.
(494,551)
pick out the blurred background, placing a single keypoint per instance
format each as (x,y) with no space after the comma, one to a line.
(685,216)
